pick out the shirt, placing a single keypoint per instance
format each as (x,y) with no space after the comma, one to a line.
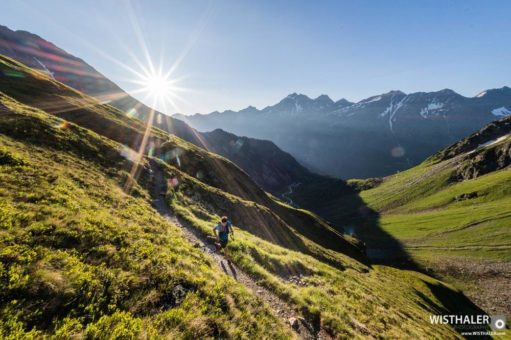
(223,232)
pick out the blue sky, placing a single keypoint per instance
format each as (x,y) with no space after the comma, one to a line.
(238,53)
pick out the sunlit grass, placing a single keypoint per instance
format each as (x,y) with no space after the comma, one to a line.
(442,219)
(350,299)
(80,257)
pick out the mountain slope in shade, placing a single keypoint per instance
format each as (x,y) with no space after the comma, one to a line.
(374,137)
(449,216)
(262,160)
(40,54)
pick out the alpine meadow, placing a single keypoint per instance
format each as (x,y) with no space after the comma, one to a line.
(127,214)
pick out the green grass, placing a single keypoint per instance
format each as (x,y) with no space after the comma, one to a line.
(349,298)
(468,218)
(457,229)
(352,301)
(80,257)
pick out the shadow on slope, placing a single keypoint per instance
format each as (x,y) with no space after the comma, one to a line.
(455,301)
(340,203)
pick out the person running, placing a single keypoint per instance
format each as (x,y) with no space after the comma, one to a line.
(221,231)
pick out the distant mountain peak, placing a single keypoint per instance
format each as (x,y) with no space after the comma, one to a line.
(295,96)
(324,98)
(394,93)
(249,108)
(503,89)
(343,102)
(447,92)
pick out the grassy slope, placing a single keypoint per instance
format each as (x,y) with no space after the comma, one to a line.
(421,208)
(79,256)
(37,89)
(349,298)
(460,229)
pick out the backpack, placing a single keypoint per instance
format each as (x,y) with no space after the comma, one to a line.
(226,230)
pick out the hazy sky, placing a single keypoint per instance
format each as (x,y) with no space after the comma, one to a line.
(238,53)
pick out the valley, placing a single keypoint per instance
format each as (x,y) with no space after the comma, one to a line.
(448,216)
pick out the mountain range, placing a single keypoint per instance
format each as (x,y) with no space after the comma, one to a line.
(374,137)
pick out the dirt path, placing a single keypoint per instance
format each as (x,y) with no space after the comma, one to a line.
(304,329)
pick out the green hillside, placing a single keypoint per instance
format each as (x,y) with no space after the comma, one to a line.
(84,254)
(81,257)
(452,214)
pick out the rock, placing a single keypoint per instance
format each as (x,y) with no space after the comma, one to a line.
(302,327)
(175,297)
(466,196)
(178,294)
(294,323)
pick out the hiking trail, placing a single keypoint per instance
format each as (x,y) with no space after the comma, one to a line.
(303,328)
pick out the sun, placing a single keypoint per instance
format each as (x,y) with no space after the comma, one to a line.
(160,90)
(157,86)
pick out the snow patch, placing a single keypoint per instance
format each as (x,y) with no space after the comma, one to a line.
(371,100)
(433,108)
(298,107)
(494,141)
(340,112)
(392,109)
(482,94)
(351,109)
(501,111)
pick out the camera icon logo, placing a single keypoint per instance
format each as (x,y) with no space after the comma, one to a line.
(498,322)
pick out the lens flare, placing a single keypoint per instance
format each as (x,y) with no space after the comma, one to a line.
(62,125)
(397,152)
